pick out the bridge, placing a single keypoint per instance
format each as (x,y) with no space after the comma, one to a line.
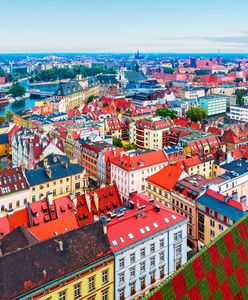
(39,93)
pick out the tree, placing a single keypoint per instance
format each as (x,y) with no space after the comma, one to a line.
(91,98)
(239,80)
(202,72)
(196,114)
(117,143)
(2,120)
(8,115)
(240,97)
(168,70)
(165,112)
(1,72)
(17,90)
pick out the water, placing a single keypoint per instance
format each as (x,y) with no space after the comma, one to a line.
(29,102)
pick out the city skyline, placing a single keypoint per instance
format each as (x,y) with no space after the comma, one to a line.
(112,27)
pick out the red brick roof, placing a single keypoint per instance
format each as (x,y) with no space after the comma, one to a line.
(12,180)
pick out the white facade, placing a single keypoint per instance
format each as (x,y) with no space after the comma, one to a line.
(149,258)
(133,181)
(239,113)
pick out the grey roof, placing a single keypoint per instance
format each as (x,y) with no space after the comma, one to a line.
(68,88)
(134,76)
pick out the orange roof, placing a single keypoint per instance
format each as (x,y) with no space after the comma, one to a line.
(110,154)
(60,226)
(192,161)
(19,218)
(167,177)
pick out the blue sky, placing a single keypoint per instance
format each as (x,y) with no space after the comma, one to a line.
(123,25)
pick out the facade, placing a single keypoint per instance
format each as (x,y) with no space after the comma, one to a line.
(192,93)
(117,128)
(54,270)
(200,165)
(60,178)
(14,190)
(174,154)
(235,137)
(130,170)
(215,214)
(149,243)
(213,104)
(90,156)
(148,133)
(239,113)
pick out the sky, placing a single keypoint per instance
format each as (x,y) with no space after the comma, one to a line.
(124,26)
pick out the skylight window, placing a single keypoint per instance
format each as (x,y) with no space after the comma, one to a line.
(114,242)
(155,225)
(142,230)
(166,220)
(130,235)
(147,228)
(122,239)
(173,217)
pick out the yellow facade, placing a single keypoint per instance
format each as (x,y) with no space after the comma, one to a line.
(22,120)
(69,145)
(59,187)
(205,168)
(212,229)
(80,285)
(158,193)
(4,149)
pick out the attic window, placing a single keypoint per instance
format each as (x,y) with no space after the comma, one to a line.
(114,242)
(122,239)
(173,217)
(166,220)
(147,228)
(130,235)
(142,230)
(155,225)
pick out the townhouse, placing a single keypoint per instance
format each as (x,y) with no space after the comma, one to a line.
(200,165)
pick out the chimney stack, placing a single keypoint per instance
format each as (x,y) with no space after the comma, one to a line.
(96,200)
(88,201)
(50,199)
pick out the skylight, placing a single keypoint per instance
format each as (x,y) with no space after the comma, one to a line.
(114,242)
(173,217)
(131,236)
(147,228)
(142,230)
(122,239)
(155,225)
(166,220)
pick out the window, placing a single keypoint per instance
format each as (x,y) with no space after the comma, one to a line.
(104,276)
(2,208)
(77,185)
(62,295)
(178,262)
(17,203)
(77,290)
(211,212)
(122,293)
(105,295)
(229,221)
(220,217)
(142,252)
(132,272)
(178,236)
(161,256)
(10,205)
(152,247)
(212,223)
(91,282)
(152,262)
(178,250)
(142,267)
(161,243)
(33,198)
(161,271)
(132,287)
(142,283)
(212,233)
(121,263)
(132,258)
(221,228)
(122,278)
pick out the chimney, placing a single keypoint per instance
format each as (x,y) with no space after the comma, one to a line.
(96,200)
(49,172)
(102,185)
(229,157)
(104,228)
(61,245)
(88,201)
(50,199)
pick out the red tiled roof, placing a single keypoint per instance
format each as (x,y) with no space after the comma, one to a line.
(127,230)
(18,218)
(192,161)
(167,177)
(12,180)
(58,226)
(140,161)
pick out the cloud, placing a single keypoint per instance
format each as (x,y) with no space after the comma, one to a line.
(242,40)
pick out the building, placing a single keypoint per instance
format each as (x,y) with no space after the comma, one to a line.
(159,185)
(130,170)
(60,178)
(192,92)
(117,128)
(149,243)
(104,164)
(75,265)
(14,190)
(239,113)
(215,214)
(174,154)
(219,271)
(90,155)
(235,137)
(148,133)
(203,165)
(4,144)
(214,104)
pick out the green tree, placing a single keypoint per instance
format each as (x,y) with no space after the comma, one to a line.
(165,112)
(8,115)
(196,114)
(239,80)
(2,120)
(17,90)
(168,70)
(201,72)
(91,98)
(240,97)
(1,72)
(117,143)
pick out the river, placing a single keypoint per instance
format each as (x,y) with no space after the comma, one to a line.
(29,102)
